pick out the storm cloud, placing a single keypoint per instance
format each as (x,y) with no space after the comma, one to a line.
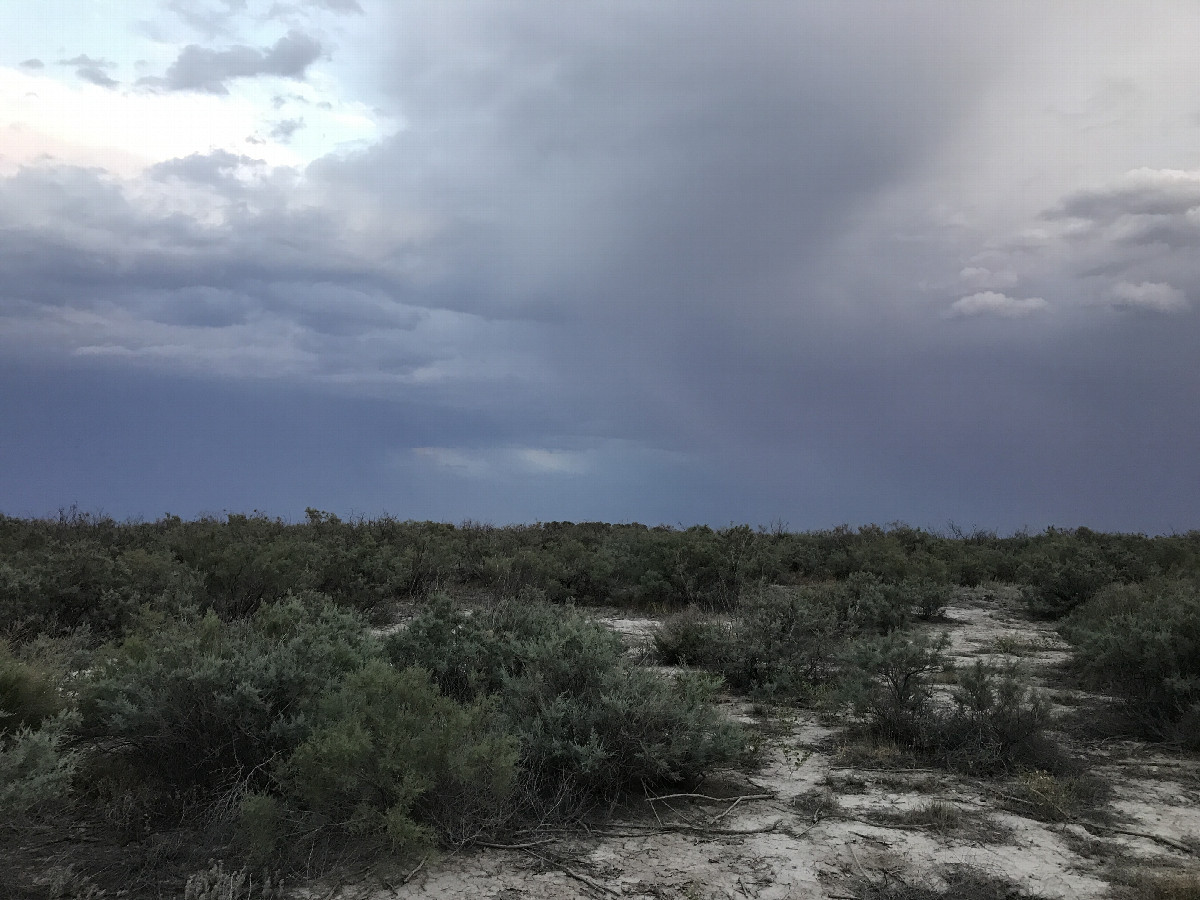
(669,262)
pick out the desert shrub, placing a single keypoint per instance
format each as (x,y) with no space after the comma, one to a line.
(886,684)
(998,724)
(387,758)
(473,653)
(784,641)
(65,585)
(995,723)
(690,637)
(198,700)
(1142,644)
(589,725)
(864,603)
(624,729)
(925,597)
(1054,587)
(780,642)
(35,769)
(29,693)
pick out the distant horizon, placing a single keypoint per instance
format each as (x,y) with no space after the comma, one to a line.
(949,531)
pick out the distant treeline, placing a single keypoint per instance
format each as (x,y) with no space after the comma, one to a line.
(79,569)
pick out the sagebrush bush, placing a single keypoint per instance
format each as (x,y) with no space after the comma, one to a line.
(472,653)
(195,700)
(865,603)
(691,638)
(998,724)
(29,693)
(925,597)
(1142,644)
(621,730)
(784,641)
(995,723)
(388,755)
(1055,587)
(589,724)
(35,769)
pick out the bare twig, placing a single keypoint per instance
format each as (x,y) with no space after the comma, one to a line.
(712,799)
(719,816)
(1165,841)
(409,877)
(526,846)
(578,876)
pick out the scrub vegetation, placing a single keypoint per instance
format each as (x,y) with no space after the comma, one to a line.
(249,700)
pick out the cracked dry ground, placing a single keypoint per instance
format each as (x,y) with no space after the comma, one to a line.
(811,825)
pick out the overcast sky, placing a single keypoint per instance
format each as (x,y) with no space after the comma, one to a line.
(669,262)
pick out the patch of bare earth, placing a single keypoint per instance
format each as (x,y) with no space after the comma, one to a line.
(806,826)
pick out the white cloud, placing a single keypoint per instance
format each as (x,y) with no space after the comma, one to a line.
(991,303)
(1157,296)
(977,276)
(478,462)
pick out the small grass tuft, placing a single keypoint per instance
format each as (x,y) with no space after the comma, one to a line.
(817,804)
(1143,884)
(1056,798)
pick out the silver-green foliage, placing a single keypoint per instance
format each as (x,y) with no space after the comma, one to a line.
(35,769)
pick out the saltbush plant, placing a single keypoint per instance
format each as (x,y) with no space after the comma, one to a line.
(784,641)
(29,693)
(36,769)
(196,700)
(589,725)
(993,724)
(388,755)
(1142,644)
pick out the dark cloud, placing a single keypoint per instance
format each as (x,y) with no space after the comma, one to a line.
(647,264)
(1145,192)
(204,69)
(33,64)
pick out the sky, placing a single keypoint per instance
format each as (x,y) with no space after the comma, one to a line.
(840,261)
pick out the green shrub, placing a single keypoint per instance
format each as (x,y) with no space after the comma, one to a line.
(35,769)
(998,724)
(623,729)
(29,693)
(1055,587)
(864,603)
(887,684)
(589,725)
(784,641)
(781,642)
(995,723)
(1142,644)
(690,637)
(926,598)
(389,757)
(473,653)
(198,700)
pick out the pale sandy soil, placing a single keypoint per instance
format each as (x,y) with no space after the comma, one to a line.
(810,828)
